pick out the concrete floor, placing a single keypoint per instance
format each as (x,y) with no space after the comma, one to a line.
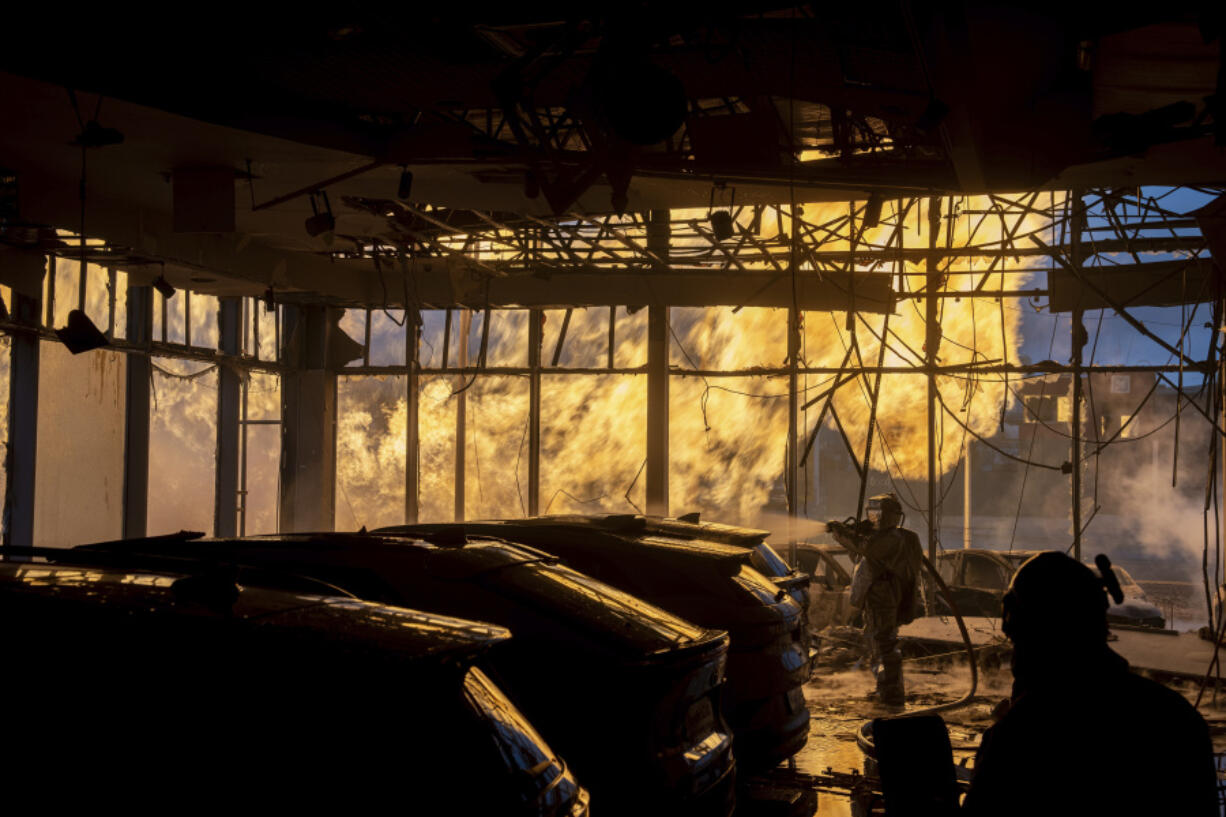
(837,706)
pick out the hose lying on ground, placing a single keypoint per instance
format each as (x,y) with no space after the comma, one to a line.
(864,737)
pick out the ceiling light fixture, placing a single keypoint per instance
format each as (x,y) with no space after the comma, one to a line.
(721,225)
(320,223)
(163,286)
(94,135)
(721,220)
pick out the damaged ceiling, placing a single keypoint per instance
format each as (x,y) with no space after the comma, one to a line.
(407,126)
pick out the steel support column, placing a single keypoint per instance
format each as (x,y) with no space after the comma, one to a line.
(412,447)
(535,339)
(461,417)
(792,456)
(136,414)
(657,378)
(308,432)
(18,528)
(932,340)
(229,399)
(1078,339)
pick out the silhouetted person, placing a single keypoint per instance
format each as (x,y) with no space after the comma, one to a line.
(884,584)
(1083,734)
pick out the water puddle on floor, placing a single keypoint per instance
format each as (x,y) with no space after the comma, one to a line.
(838,706)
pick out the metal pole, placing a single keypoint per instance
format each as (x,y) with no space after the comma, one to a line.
(1078,337)
(229,397)
(18,528)
(791,458)
(461,417)
(136,414)
(932,341)
(245,439)
(657,378)
(966,496)
(535,339)
(412,445)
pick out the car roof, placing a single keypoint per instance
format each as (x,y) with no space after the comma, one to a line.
(1011,555)
(409,570)
(621,532)
(409,634)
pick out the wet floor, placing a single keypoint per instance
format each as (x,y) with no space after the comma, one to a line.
(838,706)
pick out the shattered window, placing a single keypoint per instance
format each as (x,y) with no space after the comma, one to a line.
(593,443)
(496,447)
(727,449)
(436,436)
(372,417)
(182,446)
(261,452)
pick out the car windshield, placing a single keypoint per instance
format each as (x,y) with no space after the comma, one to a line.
(982,571)
(842,558)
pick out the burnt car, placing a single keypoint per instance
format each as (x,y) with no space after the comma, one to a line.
(979,578)
(155,691)
(628,692)
(678,566)
(828,568)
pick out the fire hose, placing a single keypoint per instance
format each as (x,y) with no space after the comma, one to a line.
(864,735)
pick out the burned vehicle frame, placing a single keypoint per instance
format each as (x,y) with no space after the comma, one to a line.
(978,579)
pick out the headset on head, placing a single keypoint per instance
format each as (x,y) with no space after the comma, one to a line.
(1016,613)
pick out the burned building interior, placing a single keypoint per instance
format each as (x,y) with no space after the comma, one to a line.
(500,409)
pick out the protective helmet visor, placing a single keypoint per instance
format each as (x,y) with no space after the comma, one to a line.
(874,511)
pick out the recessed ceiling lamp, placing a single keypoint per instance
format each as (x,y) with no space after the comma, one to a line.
(320,222)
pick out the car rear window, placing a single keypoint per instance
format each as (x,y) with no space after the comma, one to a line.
(520,744)
(586,601)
